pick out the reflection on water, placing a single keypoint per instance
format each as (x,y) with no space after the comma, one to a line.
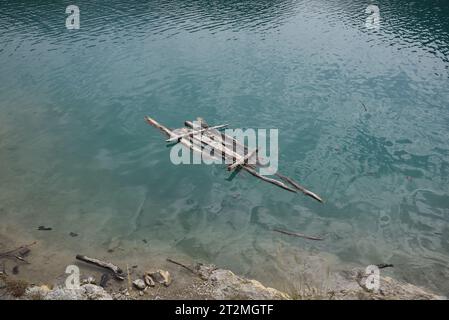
(362,117)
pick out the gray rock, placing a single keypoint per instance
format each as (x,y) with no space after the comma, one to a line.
(226,285)
(352,285)
(89,280)
(160,276)
(85,292)
(346,285)
(139,284)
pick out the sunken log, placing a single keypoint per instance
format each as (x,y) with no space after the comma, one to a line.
(297,234)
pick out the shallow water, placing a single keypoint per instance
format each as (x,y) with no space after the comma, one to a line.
(76,155)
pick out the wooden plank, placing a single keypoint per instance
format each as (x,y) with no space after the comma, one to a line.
(226,153)
(229,142)
(195,132)
(226,140)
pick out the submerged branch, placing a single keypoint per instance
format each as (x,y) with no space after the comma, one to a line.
(181,265)
(18,253)
(296,234)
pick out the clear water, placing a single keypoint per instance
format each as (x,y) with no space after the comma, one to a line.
(76,155)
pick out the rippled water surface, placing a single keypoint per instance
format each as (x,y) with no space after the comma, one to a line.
(362,116)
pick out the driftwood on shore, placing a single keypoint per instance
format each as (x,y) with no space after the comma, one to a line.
(296,234)
(226,148)
(116,271)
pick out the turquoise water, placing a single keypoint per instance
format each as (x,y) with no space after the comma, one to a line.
(76,154)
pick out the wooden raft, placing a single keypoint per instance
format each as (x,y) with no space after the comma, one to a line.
(225,148)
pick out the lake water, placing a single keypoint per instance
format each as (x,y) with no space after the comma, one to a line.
(362,116)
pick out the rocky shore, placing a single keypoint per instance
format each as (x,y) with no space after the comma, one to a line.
(36,271)
(208,282)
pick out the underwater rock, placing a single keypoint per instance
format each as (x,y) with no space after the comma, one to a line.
(104,280)
(73,234)
(15,270)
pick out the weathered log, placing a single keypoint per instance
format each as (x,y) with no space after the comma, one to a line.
(296,234)
(157,125)
(300,188)
(269,180)
(117,272)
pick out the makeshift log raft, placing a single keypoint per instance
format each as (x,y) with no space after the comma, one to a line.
(225,147)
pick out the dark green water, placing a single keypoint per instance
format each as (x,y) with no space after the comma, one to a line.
(75,153)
